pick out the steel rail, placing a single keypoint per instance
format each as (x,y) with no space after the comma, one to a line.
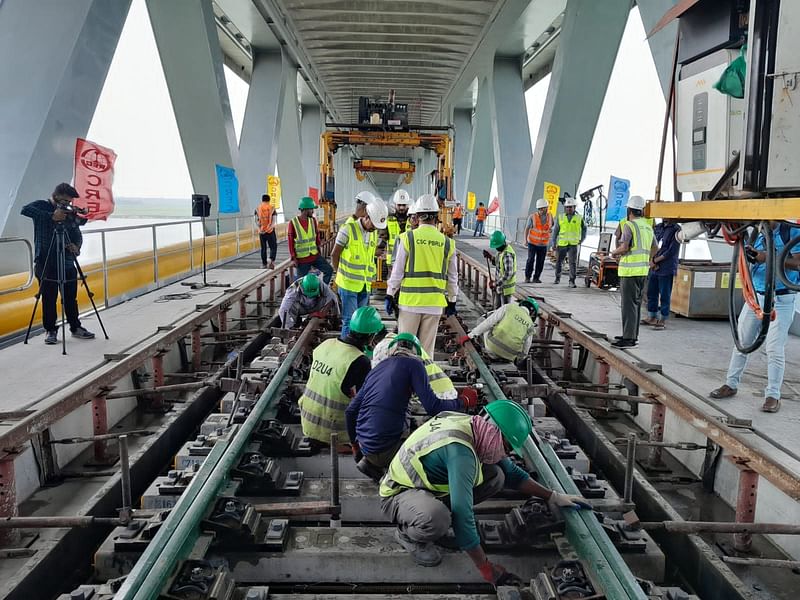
(765,465)
(179,531)
(583,529)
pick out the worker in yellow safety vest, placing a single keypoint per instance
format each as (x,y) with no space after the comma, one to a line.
(505,276)
(353,259)
(424,275)
(537,233)
(397,223)
(338,370)
(508,331)
(462,459)
(568,233)
(636,247)
(363,198)
(441,384)
(303,236)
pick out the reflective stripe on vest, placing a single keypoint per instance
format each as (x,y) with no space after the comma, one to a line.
(265,215)
(539,233)
(305,241)
(636,262)
(406,470)
(322,404)
(569,232)
(507,338)
(357,261)
(510,286)
(440,383)
(428,257)
(393,227)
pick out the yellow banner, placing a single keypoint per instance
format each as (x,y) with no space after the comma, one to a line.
(471,201)
(274,191)
(551,192)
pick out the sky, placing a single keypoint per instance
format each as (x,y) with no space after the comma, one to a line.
(135,118)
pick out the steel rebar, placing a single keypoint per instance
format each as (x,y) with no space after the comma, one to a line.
(762,562)
(720,527)
(57,522)
(630,461)
(125,480)
(336,518)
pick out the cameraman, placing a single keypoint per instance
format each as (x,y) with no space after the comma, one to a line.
(46,214)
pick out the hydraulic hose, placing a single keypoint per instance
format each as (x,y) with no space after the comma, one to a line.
(781,267)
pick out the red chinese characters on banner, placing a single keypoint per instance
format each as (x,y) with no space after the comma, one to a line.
(493,205)
(94,177)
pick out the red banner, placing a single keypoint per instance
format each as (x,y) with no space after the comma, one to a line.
(313,193)
(94,176)
(493,206)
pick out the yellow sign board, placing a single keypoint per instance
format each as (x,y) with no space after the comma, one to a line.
(471,201)
(551,193)
(274,191)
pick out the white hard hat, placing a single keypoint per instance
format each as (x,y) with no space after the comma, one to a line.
(412,209)
(377,212)
(636,202)
(427,203)
(570,202)
(401,198)
(542,203)
(365,197)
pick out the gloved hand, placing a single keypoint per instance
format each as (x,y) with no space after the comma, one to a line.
(450,310)
(469,397)
(567,501)
(497,575)
(488,255)
(319,314)
(463,340)
(390,305)
(357,454)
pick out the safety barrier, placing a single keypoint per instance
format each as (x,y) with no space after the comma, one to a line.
(29,279)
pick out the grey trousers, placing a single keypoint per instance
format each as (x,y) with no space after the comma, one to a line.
(571,253)
(384,459)
(630,306)
(424,517)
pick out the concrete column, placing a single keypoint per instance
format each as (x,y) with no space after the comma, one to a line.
(480,166)
(56,58)
(587,49)
(662,44)
(290,156)
(186,37)
(311,127)
(510,137)
(462,119)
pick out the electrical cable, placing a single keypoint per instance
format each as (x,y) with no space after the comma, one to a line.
(781,268)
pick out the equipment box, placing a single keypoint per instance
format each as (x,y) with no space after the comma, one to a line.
(700,290)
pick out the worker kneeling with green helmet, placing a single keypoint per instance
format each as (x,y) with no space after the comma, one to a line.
(458,460)
(508,331)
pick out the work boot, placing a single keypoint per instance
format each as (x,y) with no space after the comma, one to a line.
(271,264)
(557,280)
(537,280)
(370,470)
(723,391)
(527,280)
(424,554)
(572,284)
(82,333)
(51,339)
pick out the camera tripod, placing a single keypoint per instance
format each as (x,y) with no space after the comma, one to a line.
(58,238)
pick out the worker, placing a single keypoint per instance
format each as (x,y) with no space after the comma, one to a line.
(363,198)
(338,370)
(480,220)
(306,296)
(425,275)
(413,222)
(397,223)
(538,232)
(749,324)
(508,331)
(265,216)
(303,235)
(663,269)
(377,416)
(568,233)
(353,259)
(505,264)
(448,465)
(636,248)
(623,220)
(458,217)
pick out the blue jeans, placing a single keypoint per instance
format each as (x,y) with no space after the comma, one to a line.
(478,228)
(350,302)
(659,288)
(775,344)
(322,265)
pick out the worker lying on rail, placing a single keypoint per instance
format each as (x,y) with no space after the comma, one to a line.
(306,297)
(458,461)
(377,416)
(508,331)
(505,274)
(338,370)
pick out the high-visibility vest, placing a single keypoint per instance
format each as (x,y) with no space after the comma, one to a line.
(507,338)
(428,254)
(636,262)
(624,220)
(357,261)
(440,383)
(394,228)
(510,286)
(481,213)
(539,233)
(569,231)
(458,212)
(406,470)
(322,404)
(265,214)
(305,240)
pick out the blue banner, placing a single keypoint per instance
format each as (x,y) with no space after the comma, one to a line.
(228,190)
(618,192)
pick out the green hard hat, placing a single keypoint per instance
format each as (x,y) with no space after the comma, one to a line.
(497,239)
(512,420)
(306,202)
(530,303)
(310,285)
(409,338)
(366,320)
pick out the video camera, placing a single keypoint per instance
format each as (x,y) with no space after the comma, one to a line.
(70,209)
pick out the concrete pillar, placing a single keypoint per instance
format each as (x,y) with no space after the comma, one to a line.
(510,137)
(56,58)
(480,165)
(187,41)
(462,119)
(311,127)
(662,44)
(290,156)
(587,49)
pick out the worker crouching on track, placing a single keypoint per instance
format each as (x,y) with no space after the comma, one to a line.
(425,275)
(306,297)
(377,416)
(448,465)
(505,275)
(338,370)
(303,236)
(568,234)
(508,331)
